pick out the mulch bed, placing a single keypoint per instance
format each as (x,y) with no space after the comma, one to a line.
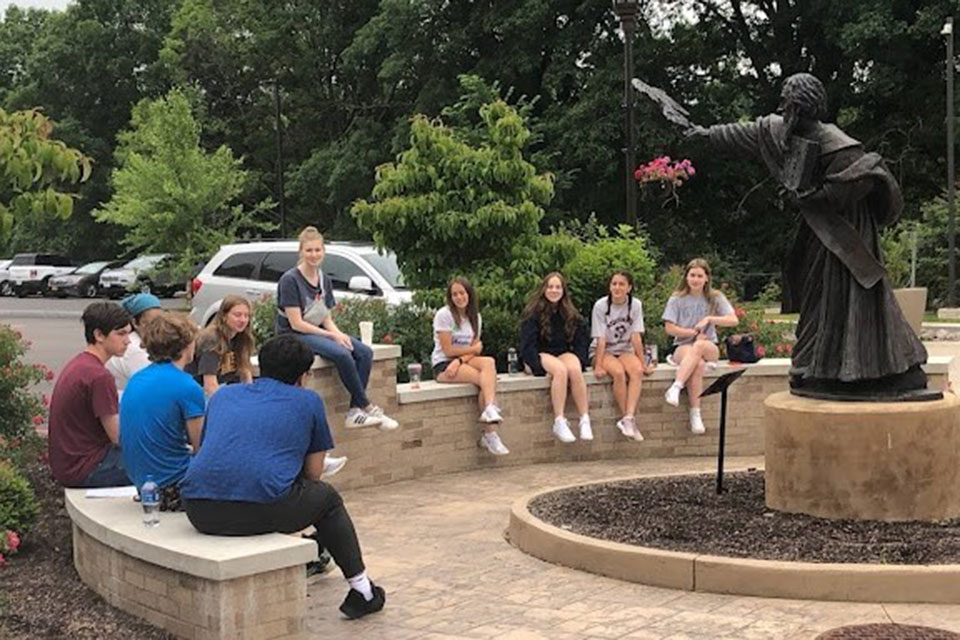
(887,632)
(41,595)
(683,513)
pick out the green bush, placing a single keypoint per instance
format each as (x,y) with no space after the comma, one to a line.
(18,505)
(20,409)
(588,273)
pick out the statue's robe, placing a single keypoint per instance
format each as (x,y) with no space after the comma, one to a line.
(851,327)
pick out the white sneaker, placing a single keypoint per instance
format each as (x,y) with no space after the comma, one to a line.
(491,414)
(586,431)
(672,396)
(332,466)
(670,360)
(492,443)
(626,427)
(696,423)
(710,366)
(386,422)
(357,418)
(561,429)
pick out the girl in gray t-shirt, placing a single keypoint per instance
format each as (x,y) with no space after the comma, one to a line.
(616,329)
(691,317)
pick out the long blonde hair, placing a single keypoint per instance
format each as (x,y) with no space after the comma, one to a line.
(218,331)
(309,234)
(683,288)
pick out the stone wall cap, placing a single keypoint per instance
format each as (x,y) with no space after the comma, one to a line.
(380,352)
(431,390)
(176,545)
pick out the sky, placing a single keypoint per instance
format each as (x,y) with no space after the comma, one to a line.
(39,4)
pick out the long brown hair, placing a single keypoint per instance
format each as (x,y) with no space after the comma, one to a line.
(218,331)
(473,307)
(539,306)
(683,288)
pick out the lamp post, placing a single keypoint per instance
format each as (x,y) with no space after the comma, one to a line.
(627,11)
(278,109)
(951,176)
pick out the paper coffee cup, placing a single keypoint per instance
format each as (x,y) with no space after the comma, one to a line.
(366,332)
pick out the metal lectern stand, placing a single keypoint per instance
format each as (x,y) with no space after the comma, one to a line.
(720,385)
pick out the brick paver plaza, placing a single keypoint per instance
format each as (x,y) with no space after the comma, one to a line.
(437,546)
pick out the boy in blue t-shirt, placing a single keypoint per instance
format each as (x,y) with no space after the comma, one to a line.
(161,412)
(259,468)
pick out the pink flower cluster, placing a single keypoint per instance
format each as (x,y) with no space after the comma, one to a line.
(9,543)
(664,169)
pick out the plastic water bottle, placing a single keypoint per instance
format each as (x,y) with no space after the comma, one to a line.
(150,501)
(513,365)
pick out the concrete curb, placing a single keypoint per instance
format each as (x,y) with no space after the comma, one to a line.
(726,575)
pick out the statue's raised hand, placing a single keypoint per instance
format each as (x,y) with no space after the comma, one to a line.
(695,131)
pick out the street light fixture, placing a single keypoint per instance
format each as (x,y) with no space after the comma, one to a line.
(627,11)
(947,32)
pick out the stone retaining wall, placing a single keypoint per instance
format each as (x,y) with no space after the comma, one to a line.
(439,430)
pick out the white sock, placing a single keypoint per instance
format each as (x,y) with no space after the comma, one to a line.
(694,411)
(361,583)
(678,385)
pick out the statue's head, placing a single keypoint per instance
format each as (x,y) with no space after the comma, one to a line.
(803,98)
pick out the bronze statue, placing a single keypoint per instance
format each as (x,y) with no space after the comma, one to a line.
(853,342)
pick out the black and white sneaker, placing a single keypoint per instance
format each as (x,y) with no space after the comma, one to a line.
(357,418)
(356,606)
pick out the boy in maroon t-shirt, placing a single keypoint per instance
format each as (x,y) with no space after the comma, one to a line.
(84,427)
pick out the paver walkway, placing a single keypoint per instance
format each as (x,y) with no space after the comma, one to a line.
(437,547)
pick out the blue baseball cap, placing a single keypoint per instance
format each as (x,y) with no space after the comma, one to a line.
(140,302)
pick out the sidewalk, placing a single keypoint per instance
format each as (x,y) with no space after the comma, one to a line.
(437,547)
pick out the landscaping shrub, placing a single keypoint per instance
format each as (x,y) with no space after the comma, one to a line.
(18,505)
(21,410)
(588,273)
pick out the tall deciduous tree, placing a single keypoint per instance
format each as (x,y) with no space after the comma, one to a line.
(447,206)
(170,194)
(33,167)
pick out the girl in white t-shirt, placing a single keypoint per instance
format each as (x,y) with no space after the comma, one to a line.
(691,316)
(616,328)
(456,356)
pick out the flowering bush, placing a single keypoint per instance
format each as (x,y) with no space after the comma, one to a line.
(667,173)
(18,505)
(20,409)
(9,543)
(772,339)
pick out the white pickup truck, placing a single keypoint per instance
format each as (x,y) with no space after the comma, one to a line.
(30,272)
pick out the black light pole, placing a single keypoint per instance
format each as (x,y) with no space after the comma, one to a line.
(280,195)
(627,11)
(951,176)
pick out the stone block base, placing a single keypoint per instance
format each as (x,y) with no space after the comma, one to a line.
(863,460)
(263,606)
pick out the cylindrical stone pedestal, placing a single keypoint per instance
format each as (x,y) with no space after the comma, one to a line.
(863,460)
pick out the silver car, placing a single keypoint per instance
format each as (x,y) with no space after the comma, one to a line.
(253,269)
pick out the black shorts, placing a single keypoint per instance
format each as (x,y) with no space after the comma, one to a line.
(440,367)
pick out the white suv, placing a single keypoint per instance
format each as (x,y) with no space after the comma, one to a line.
(252,269)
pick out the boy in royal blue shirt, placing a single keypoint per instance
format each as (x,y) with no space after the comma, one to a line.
(259,468)
(161,412)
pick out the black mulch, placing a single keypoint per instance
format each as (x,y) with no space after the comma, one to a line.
(684,514)
(887,632)
(41,595)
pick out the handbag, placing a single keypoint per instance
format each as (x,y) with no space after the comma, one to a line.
(741,348)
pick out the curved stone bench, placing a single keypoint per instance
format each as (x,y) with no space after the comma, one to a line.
(193,585)
(729,575)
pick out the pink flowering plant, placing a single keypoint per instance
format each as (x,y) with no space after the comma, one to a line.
(771,339)
(9,544)
(664,175)
(22,410)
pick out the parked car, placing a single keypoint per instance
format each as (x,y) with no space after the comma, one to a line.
(83,282)
(31,272)
(252,269)
(6,285)
(146,274)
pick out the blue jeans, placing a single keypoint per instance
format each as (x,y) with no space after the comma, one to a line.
(109,473)
(353,366)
